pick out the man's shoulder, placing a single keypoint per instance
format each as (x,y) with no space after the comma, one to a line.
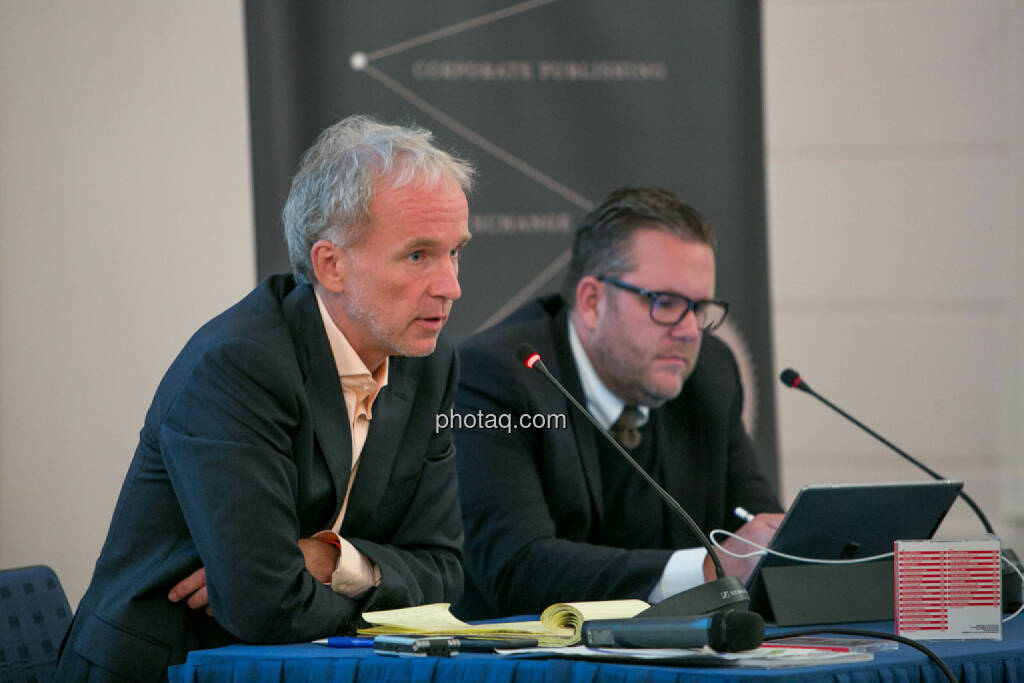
(489,366)
(252,337)
(531,323)
(263,319)
(260,309)
(275,314)
(715,355)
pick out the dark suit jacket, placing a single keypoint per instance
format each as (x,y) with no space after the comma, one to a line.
(532,500)
(246,449)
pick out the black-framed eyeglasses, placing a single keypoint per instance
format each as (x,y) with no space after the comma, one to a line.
(668,308)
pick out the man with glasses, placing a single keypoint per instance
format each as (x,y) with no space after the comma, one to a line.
(554,515)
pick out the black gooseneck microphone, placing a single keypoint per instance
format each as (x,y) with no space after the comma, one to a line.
(725,592)
(1011,586)
(791,378)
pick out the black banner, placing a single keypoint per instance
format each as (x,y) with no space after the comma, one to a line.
(557,102)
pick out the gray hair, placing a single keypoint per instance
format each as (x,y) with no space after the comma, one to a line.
(601,245)
(332,191)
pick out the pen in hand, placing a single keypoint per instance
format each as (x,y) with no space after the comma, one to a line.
(743,514)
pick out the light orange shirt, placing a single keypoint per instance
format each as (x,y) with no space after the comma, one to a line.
(355,574)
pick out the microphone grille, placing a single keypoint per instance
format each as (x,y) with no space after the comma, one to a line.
(735,631)
(527,355)
(790,377)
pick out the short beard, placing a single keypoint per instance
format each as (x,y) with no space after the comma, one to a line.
(629,389)
(384,337)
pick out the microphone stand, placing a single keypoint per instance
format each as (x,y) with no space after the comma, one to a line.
(1011,594)
(723,593)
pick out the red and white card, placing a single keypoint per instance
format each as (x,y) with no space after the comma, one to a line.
(948,590)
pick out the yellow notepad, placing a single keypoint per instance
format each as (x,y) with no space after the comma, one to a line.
(559,624)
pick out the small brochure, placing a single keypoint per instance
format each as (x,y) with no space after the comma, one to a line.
(768,656)
(836,644)
(949,590)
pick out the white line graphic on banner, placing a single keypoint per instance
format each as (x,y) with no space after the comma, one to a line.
(477,139)
(477,22)
(360,61)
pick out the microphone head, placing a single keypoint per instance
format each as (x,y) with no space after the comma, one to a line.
(792,379)
(527,355)
(735,631)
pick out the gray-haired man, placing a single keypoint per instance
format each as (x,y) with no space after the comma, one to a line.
(289,475)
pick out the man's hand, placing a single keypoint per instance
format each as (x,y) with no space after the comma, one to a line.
(760,530)
(321,560)
(194,588)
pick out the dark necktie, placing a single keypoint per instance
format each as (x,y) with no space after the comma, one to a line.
(626,430)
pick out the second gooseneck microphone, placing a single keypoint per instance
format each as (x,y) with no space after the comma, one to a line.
(725,592)
(1012,589)
(792,379)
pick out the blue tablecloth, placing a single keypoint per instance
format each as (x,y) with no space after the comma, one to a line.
(971,661)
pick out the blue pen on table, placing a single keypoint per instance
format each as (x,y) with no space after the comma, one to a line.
(344,641)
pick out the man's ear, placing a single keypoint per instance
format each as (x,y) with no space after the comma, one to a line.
(329,265)
(589,295)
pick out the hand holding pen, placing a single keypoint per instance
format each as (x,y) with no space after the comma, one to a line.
(758,528)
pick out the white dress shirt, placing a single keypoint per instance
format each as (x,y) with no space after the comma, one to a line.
(354,574)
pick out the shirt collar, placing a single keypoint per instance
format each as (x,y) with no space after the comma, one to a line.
(605,405)
(351,368)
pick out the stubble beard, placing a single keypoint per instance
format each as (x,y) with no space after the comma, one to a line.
(626,368)
(387,338)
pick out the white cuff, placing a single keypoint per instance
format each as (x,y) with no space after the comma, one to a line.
(685,569)
(355,574)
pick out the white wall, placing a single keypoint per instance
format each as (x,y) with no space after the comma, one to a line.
(895,175)
(895,180)
(125,222)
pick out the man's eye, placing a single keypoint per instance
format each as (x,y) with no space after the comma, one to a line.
(416,256)
(666,302)
(456,253)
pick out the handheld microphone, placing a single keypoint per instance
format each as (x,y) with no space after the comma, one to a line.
(723,631)
(1011,589)
(725,592)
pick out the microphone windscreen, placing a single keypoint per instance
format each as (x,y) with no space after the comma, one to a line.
(524,352)
(790,377)
(735,631)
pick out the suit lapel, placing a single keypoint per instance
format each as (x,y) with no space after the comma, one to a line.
(391,411)
(323,388)
(584,432)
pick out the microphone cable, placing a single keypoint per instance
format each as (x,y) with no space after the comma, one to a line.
(763,550)
(869,634)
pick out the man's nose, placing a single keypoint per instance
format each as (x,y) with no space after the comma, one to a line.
(687,327)
(446,281)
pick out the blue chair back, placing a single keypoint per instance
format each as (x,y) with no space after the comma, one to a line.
(34,616)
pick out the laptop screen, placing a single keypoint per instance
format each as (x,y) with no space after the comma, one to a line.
(851,521)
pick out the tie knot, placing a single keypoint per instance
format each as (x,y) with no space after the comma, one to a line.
(626,429)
